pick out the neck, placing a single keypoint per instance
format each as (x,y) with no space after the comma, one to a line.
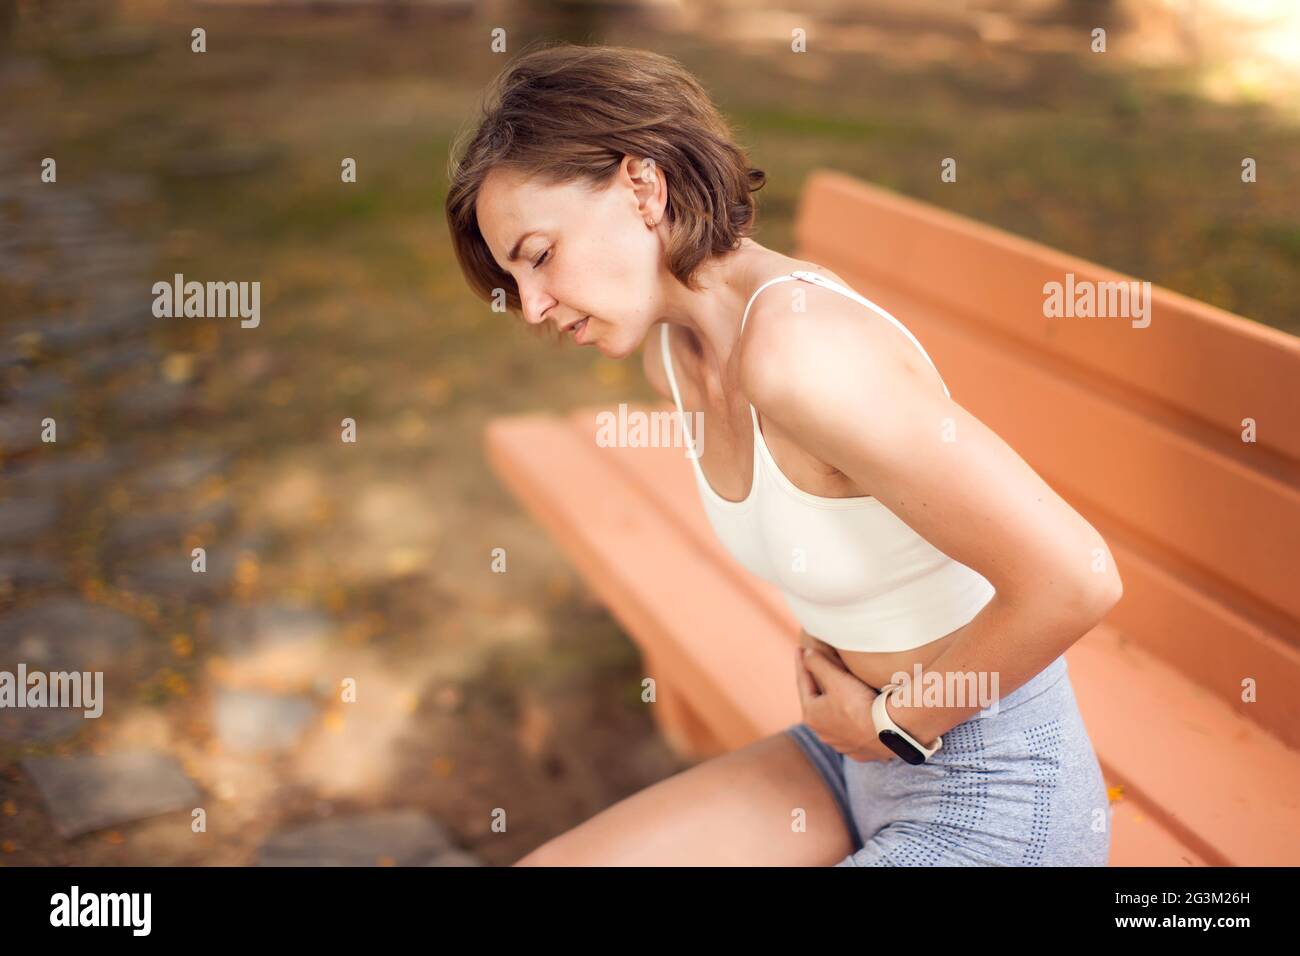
(713,313)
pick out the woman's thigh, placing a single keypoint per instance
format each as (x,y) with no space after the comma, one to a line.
(760,805)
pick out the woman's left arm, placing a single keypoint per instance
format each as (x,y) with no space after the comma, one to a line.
(951,479)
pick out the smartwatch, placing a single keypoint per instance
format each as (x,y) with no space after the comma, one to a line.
(895,737)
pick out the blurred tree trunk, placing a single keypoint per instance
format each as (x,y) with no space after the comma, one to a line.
(1089,12)
(8,18)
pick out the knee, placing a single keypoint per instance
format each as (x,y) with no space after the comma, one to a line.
(544,855)
(531,859)
(571,849)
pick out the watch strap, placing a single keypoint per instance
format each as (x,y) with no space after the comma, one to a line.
(885,726)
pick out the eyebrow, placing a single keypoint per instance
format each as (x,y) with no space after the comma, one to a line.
(514,253)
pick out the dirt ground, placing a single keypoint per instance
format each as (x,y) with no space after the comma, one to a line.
(479,690)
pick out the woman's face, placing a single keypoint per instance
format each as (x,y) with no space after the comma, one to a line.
(584,253)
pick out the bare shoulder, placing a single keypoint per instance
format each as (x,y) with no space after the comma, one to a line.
(824,340)
(822,270)
(799,333)
(841,381)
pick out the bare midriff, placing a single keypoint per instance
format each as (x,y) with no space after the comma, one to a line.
(876,668)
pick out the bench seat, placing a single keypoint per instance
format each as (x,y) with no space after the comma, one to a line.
(718,643)
(1174,435)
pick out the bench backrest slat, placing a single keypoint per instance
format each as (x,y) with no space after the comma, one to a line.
(1139,428)
(1199,360)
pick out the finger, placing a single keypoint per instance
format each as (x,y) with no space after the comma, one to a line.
(803,679)
(807,660)
(831,656)
(807,640)
(827,672)
(828,650)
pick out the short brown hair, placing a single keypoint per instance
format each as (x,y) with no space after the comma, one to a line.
(569,113)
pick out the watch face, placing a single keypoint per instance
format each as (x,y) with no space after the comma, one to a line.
(900,746)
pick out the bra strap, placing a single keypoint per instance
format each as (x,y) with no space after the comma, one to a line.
(816,278)
(672,382)
(753,414)
(750,304)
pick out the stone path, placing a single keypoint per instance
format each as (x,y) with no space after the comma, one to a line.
(69,633)
(255,721)
(87,793)
(97,530)
(387,838)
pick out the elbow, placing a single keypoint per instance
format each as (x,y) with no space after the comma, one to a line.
(1098,596)
(1114,590)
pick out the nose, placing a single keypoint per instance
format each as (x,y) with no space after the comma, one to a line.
(535,303)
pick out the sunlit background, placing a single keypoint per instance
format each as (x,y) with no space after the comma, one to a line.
(370,559)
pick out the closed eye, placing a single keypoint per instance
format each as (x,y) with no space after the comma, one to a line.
(539,262)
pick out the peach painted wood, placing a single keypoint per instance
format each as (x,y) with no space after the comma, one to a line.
(1139,428)
(647,552)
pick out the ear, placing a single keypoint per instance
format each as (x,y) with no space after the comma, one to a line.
(648,186)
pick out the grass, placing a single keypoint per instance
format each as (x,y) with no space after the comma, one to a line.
(365,315)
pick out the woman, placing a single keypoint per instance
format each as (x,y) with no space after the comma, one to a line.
(603,194)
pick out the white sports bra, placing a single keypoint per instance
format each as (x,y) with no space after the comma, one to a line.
(853,573)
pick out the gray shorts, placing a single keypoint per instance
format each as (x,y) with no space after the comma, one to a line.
(1020,787)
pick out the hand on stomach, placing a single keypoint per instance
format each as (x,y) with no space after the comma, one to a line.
(875,668)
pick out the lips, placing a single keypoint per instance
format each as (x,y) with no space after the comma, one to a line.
(578,327)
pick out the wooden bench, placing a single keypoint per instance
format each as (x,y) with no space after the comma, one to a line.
(1140,428)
